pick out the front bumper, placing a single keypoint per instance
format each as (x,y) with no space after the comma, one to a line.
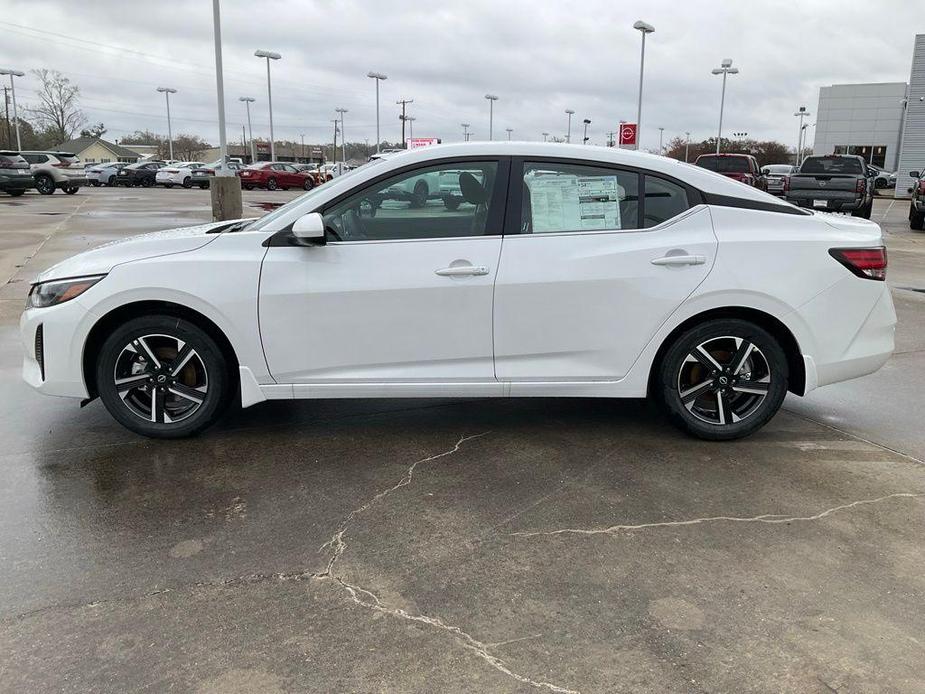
(59,369)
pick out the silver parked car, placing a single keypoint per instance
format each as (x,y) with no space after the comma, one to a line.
(776,175)
(102,174)
(56,170)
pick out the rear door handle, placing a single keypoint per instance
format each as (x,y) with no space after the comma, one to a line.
(462,270)
(680,260)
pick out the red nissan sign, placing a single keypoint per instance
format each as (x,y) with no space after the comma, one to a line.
(627,134)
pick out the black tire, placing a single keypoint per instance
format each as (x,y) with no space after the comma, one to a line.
(247,186)
(206,368)
(45,184)
(187,182)
(168,186)
(419,196)
(451,202)
(71,190)
(916,219)
(95,184)
(271,184)
(690,389)
(308,184)
(203,186)
(16,193)
(865,211)
(147,182)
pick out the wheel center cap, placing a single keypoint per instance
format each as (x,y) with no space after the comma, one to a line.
(723,380)
(161,378)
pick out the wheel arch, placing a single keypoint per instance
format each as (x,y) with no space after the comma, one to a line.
(104,326)
(780,332)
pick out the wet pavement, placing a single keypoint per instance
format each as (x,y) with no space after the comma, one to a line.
(455,545)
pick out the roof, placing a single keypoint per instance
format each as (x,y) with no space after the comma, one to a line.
(697,176)
(82,143)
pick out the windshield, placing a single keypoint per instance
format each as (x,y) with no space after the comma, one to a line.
(724,164)
(779,169)
(832,165)
(262,222)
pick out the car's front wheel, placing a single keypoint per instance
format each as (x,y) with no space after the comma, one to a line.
(162,376)
(45,184)
(272,184)
(723,379)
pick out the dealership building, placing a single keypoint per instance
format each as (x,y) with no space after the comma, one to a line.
(883,122)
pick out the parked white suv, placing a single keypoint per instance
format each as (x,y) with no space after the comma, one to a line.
(56,170)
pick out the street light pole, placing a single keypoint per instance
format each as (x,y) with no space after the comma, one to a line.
(545,137)
(378,76)
(12,74)
(167,92)
(661,135)
(802,113)
(643,28)
(343,135)
(509,131)
(465,127)
(410,120)
(724,70)
(587,122)
(269,55)
(687,146)
(491,113)
(568,133)
(250,131)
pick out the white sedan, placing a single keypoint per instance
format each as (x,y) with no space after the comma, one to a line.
(180,174)
(565,270)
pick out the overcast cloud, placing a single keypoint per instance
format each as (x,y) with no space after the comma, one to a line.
(539,57)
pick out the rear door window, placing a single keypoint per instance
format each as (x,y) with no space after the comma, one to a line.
(663,200)
(564,197)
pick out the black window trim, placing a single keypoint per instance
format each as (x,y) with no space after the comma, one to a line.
(512,222)
(496,211)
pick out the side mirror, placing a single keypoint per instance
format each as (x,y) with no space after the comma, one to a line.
(308,229)
(915,174)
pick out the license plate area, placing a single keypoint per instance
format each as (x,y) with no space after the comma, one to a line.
(820,203)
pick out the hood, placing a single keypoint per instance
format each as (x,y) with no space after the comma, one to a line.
(102,259)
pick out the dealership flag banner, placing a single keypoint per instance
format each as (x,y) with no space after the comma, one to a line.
(627,134)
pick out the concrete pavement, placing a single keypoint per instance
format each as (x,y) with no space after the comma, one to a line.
(455,545)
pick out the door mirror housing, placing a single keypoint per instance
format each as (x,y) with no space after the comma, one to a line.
(914,174)
(308,229)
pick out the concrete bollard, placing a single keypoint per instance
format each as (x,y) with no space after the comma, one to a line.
(226,198)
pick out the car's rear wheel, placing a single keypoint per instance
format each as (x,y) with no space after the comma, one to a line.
(308,184)
(419,196)
(162,376)
(188,182)
(70,190)
(916,219)
(247,186)
(272,184)
(723,379)
(147,182)
(45,184)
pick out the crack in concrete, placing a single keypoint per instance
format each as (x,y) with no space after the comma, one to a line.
(366,598)
(770,518)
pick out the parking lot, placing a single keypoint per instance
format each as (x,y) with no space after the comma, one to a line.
(455,545)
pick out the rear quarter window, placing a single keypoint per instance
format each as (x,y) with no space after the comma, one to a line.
(663,200)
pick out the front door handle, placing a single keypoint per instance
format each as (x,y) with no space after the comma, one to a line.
(680,260)
(462,270)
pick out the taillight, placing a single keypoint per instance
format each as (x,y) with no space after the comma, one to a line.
(861,185)
(786,184)
(869,263)
(922,187)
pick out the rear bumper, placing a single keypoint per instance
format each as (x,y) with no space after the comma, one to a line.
(834,201)
(852,342)
(14,183)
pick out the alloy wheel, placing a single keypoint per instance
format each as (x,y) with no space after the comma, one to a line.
(724,380)
(161,378)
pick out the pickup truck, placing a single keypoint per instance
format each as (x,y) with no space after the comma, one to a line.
(833,183)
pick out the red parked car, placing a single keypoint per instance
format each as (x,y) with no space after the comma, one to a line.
(274,175)
(741,167)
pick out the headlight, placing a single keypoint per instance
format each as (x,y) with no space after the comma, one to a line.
(59,291)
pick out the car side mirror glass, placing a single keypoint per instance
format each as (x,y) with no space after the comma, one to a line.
(914,174)
(308,229)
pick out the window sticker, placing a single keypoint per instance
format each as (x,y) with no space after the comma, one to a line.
(574,203)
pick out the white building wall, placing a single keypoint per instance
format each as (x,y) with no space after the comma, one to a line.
(860,115)
(913,154)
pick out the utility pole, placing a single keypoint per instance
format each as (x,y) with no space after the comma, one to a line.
(403,103)
(802,113)
(334,149)
(343,135)
(465,127)
(9,130)
(687,146)
(610,138)
(302,135)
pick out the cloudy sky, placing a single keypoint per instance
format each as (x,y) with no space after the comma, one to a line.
(540,57)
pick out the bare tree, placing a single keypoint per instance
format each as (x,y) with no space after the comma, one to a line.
(58,110)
